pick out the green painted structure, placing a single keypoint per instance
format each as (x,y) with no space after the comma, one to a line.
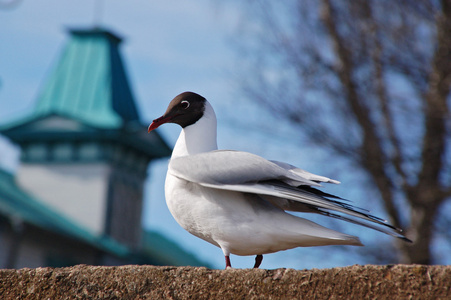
(90,84)
(84,138)
(89,87)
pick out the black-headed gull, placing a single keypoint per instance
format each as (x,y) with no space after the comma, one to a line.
(237,200)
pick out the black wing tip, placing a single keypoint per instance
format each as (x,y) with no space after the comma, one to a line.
(405,239)
(362,213)
(401,236)
(320,193)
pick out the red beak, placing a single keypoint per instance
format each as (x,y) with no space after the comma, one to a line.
(158,122)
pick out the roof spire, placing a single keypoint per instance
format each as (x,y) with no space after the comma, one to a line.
(89,82)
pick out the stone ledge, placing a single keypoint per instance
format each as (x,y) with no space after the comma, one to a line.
(149,282)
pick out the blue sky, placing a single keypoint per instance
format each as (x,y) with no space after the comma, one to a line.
(170,47)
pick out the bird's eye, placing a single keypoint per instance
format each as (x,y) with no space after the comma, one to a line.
(184,104)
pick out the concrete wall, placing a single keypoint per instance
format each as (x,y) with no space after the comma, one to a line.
(148,282)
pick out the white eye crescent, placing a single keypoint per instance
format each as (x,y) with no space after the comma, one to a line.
(184,104)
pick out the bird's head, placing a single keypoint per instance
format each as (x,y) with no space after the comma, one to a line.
(185,109)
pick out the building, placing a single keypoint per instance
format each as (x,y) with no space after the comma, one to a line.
(77,195)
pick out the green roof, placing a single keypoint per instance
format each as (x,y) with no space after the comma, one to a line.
(89,86)
(89,82)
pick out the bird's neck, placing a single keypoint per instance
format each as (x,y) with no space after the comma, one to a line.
(199,137)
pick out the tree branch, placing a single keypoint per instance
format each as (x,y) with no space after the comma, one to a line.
(372,155)
(436,110)
(381,93)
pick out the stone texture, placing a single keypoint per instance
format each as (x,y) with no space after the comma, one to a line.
(149,282)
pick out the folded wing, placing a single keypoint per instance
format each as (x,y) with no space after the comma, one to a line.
(283,185)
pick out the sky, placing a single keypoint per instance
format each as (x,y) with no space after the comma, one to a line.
(169,47)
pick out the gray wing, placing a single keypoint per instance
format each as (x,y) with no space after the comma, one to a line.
(233,167)
(285,186)
(304,173)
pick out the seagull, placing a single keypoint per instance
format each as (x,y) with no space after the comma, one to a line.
(237,200)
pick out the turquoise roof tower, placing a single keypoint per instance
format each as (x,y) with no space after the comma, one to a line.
(84,150)
(84,159)
(90,87)
(89,83)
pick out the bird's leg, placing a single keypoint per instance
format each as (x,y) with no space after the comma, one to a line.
(228,264)
(258,261)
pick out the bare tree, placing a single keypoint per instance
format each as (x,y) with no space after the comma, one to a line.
(370,80)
